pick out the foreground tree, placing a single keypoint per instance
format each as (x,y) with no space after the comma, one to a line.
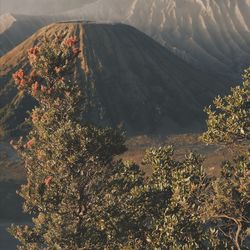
(81,198)
(64,160)
(78,196)
(229,205)
(229,121)
(162,211)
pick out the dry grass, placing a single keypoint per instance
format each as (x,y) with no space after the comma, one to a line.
(183,144)
(12,169)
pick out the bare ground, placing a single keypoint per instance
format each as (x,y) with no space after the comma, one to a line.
(12,171)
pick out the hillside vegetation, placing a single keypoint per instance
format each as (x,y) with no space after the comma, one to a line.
(209,34)
(133,81)
(81,197)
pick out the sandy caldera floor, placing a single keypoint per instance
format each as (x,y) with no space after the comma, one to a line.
(12,172)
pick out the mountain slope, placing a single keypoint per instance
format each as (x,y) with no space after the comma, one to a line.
(211,34)
(14,29)
(133,80)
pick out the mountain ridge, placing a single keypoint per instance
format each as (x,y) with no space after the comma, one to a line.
(213,35)
(133,80)
(16,28)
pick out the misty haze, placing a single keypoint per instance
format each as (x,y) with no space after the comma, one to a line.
(124,124)
(35,7)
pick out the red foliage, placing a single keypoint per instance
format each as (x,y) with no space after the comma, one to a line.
(32,53)
(30,143)
(33,50)
(22,82)
(48,180)
(70,42)
(35,87)
(19,76)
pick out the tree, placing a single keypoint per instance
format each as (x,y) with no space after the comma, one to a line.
(162,211)
(64,159)
(80,197)
(228,207)
(177,190)
(229,121)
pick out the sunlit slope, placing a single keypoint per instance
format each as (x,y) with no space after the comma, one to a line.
(211,34)
(132,80)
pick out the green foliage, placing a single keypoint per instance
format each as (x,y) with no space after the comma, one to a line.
(63,159)
(81,198)
(162,211)
(177,191)
(228,207)
(229,122)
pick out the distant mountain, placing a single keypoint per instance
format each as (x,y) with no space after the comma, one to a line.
(14,29)
(20,19)
(43,7)
(133,81)
(210,34)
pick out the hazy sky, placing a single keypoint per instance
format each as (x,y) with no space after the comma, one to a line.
(34,7)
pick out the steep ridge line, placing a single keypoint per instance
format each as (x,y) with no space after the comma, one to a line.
(132,80)
(210,34)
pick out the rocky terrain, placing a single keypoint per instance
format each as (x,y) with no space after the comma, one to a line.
(153,81)
(211,34)
(132,80)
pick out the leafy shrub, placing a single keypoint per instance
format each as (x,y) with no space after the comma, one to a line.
(229,122)
(81,198)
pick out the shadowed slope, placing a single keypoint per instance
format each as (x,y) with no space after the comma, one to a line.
(14,29)
(210,34)
(133,80)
